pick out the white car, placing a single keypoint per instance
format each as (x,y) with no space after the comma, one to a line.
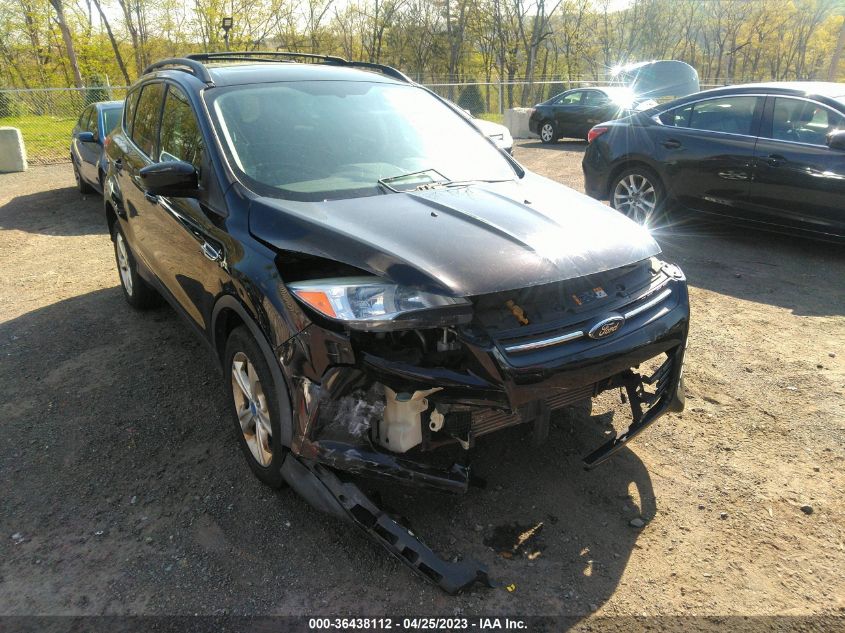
(500,135)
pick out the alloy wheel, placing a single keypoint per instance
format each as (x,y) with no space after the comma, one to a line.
(547,132)
(636,197)
(123,263)
(251,408)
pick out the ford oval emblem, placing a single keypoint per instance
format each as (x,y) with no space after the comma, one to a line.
(606,327)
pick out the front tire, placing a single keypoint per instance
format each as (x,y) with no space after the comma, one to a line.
(81,185)
(137,292)
(255,407)
(638,193)
(548,132)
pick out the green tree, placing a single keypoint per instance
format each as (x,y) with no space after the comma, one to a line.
(471,99)
(98,90)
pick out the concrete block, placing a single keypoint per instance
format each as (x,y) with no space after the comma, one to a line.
(12,150)
(516,120)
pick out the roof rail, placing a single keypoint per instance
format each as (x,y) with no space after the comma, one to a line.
(181,63)
(194,62)
(272,55)
(387,70)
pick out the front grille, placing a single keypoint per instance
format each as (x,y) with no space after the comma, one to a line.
(490,420)
(643,305)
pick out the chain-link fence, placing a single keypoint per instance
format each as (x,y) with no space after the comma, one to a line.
(46,117)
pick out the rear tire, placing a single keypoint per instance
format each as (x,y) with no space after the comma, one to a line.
(548,132)
(137,292)
(638,193)
(81,185)
(254,407)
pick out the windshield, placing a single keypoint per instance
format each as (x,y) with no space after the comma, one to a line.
(313,140)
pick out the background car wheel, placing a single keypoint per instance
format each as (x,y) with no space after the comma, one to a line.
(255,407)
(638,193)
(138,293)
(548,132)
(83,186)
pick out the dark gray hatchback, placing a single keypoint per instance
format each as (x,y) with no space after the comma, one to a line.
(379,283)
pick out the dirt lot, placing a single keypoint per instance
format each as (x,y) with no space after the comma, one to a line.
(124,490)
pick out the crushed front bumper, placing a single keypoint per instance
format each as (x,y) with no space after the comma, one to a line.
(334,406)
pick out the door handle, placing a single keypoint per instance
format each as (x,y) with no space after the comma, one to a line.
(151,198)
(671,143)
(775,160)
(211,252)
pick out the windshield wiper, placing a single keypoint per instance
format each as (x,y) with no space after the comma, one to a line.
(473,181)
(385,182)
(433,184)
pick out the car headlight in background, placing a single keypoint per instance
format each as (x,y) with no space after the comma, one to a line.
(366,300)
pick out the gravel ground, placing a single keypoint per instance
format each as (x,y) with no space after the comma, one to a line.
(124,491)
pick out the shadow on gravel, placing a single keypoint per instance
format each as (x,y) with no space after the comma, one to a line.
(564,145)
(127,490)
(801,275)
(55,212)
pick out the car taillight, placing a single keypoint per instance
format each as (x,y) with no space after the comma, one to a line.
(595,132)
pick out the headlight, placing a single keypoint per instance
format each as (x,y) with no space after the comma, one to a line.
(371,301)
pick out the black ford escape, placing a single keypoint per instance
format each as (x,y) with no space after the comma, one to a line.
(376,279)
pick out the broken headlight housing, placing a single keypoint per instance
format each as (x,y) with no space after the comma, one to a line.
(373,303)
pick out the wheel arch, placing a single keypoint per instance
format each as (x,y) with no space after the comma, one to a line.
(111,217)
(229,313)
(628,163)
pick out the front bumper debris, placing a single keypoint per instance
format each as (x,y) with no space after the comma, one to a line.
(320,486)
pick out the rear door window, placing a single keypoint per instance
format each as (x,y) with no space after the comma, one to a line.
(573,98)
(147,115)
(802,121)
(595,98)
(733,115)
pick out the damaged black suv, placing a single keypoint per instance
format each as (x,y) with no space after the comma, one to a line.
(378,282)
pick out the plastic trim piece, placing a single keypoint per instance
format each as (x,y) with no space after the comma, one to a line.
(322,489)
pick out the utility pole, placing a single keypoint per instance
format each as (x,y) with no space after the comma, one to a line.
(226,25)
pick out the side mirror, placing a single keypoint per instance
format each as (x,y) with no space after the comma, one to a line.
(836,140)
(86,137)
(177,179)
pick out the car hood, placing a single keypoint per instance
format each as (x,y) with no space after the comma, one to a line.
(462,241)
